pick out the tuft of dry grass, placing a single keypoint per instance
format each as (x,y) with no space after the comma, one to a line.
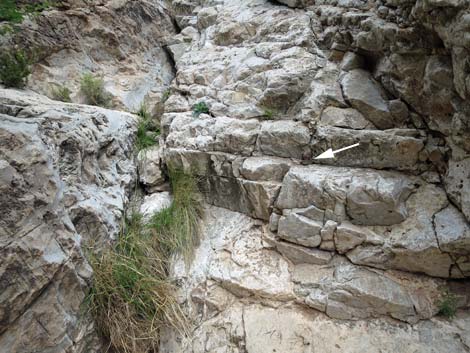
(94,92)
(132,297)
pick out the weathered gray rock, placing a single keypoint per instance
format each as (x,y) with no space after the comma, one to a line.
(206,133)
(364,94)
(155,203)
(264,168)
(355,293)
(242,59)
(347,237)
(457,182)
(150,169)
(284,139)
(365,194)
(250,197)
(299,254)
(453,232)
(120,41)
(300,230)
(345,118)
(233,256)
(64,174)
(400,149)
(414,245)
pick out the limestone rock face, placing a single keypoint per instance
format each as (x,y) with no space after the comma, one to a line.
(370,239)
(364,94)
(119,40)
(65,170)
(348,254)
(238,285)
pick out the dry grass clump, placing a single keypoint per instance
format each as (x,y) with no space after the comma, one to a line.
(132,297)
(92,88)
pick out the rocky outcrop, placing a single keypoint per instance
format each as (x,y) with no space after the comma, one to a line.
(378,232)
(65,173)
(346,254)
(245,296)
(121,41)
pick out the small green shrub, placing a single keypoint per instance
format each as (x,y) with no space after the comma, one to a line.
(10,12)
(38,7)
(14,68)
(132,297)
(146,133)
(93,90)
(447,305)
(200,108)
(61,93)
(268,114)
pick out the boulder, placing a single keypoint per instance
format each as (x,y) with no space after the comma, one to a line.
(264,168)
(284,139)
(149,167)
(365,94)
(300,230)
(345,118)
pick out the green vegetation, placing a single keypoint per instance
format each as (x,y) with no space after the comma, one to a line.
(61,93)
(177,227)
(268,114)
(94,92)
(6,28)
(146,133)
(166,95)
(12,12)
(132,296)
(9,11)
(14,68)
(200,108)
(447,305)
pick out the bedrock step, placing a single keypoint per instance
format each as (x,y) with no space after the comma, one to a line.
(401,149)
(381,219)
(238,262)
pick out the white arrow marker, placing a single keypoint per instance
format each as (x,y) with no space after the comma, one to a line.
(329,153)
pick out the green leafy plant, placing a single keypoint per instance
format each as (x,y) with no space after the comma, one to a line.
(200,108)
(61,93)
(13,12)
(14,68)
(93,90)
(38,7)
(9,11)
(268,114)
(132,297)
(447,305)
(146,133)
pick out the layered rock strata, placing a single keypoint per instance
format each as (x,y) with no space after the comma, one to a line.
(375,235)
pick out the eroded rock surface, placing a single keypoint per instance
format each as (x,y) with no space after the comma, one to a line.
(245,297)
(374,235)
(298,255)
(65,170)
(120,41)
